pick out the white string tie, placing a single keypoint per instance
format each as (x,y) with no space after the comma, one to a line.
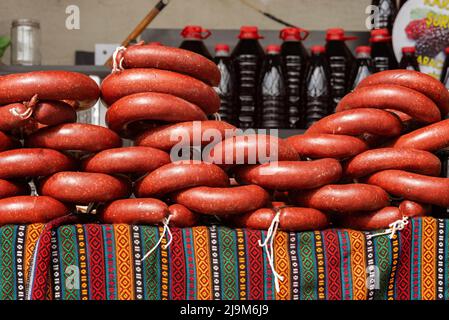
(217,116)
(117,65)
(164,232)
(398,225)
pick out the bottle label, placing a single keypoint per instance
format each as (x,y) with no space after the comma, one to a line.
(248,67)
(294,76)
(338,77)
(381,63)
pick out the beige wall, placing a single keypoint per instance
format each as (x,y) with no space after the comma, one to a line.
(109,21)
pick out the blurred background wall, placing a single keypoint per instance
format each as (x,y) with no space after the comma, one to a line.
(109,21)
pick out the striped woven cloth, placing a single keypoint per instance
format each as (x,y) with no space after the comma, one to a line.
(104,262)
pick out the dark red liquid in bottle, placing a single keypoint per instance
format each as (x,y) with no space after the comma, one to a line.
(295,58)
(382,50)
(341,62)
(364,65)
(317,89)
(247,59)
(409,61)
(386,15)
(272,91)
(226,88)
(193,40)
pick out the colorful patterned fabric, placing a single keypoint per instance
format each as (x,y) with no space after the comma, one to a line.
(104,262)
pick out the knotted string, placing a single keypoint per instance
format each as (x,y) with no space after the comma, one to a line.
(169,236)
(217,116)
(268,246)
(29,110)
(398,225)
(117,65)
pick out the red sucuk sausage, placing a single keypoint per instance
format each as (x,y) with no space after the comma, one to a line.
(129,81)
(181,217)
(222,201)
(317,145)
(31,209)
(413,186)
(259,219)
(251,149)
(430,138)
(6,142)
(418,81)
(387,96)
(180,175)
(172,59)
(135,211)
(291,175)
(13,116)
(414,209)
(52,113)
(150,106)
(191,132)
(413,160)
(75,136)
(49,85)
(357,122)
(126,160)
(85,187)
(345,198)
(368,221)
(13,188)
(33,162)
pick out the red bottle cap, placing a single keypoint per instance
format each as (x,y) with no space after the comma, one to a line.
(195,32)
(273,48)
(337,34)
(293,34)
(318,49)
(249,32)
(380,35)
(222,47)
(408,50)
(363,49)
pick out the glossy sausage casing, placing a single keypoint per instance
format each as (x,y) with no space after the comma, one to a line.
(85,187)
(129,81)
(52,113)
(135,211)
(222,201)
(6,142)
(367,221)
(181,217)
(291,175)
(13,188)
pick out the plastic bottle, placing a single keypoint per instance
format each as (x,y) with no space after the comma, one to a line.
(226,88)
(247,59)
(382,50)
(409,60)
(341,62)
(388,10)
(364,65)
(193,40)
(295,58)
(272,91)
(445,73)
(317,89)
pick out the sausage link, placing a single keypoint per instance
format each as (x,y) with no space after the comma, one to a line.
(85,187)
(52,113)
(172,59)
(418,81)
(129,81)
(49,85)
(13,188)
(126,160)
(75,136)
(13,116)
(414,209)
(6,142)
(316,145)
(222,201)
(291,175)
(180,175)
(413,160)
(181,217)
(356,122)
(150,106)
(251,149)
(384,96)
(166,137)
(430,138)
(413,186)
(31,209)
(379,219)
(34,162)
(135,211)
(259,219)
(346,198)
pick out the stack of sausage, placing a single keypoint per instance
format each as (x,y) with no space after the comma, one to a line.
(45,124)
(153,93)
